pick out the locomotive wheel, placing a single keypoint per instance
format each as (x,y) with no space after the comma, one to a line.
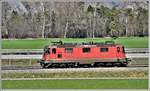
(71,65)
(123,65)
(43,65)
(109,64)
(54,65)
(117,64)
(102,64)
(75,65)
(86,65)
(63,65)
(99,64)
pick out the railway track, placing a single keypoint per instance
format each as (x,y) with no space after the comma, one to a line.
(36,72)
(39,67)
(70,70)
(20,67)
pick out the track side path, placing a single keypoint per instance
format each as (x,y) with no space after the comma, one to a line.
(100,69)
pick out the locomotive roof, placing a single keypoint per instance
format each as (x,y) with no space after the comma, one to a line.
(90,44)
(84,45)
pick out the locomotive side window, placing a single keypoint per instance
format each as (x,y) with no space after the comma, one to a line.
(85,50)
(68,50)
(54,50)
(104,49)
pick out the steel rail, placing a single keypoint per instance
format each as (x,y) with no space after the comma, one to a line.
(77,68)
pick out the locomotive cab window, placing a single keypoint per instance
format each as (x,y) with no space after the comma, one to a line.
(86,50)
(104,49)
(47,50)
(123,50)
(54,50)
(68,50)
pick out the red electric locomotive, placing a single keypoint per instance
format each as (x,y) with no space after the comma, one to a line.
(77,54)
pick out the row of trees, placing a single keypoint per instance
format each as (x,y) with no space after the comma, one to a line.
(75,19)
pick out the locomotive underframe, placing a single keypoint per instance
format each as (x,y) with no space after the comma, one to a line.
(91,62)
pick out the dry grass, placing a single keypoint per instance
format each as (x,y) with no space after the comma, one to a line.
(75,74)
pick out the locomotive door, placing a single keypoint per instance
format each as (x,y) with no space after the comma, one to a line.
(118,52)
(53,54)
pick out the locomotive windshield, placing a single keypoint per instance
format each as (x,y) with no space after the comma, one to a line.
(46,50)
(123,49)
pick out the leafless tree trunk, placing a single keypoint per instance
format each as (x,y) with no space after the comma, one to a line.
(67,19)
(66,29)
(126,21)
(43,15)
(94,21)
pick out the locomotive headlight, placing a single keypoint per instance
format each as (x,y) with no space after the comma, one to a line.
(128,59)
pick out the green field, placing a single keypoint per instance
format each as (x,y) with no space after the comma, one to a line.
(76,84)
(128,42)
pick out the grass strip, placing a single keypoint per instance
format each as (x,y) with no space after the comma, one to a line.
(76,84)
(128,42)
(20,62)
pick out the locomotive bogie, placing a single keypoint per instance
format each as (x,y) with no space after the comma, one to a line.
(90,63)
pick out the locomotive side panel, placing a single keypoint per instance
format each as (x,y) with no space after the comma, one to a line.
(106,52)
(85,54)
(77,52)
